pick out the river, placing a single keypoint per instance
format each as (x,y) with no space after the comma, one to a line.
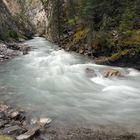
(51,82)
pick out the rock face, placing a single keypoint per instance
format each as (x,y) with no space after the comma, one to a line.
(22,19)
(13,26)
(33,11)
(13,6)
(8,28)
(108,73)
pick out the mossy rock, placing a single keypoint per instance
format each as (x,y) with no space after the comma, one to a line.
(3,137)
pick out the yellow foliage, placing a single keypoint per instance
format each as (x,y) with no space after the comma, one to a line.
(124,52)
(80,34)
(116,56)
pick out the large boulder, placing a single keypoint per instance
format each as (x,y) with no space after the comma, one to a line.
(108,73)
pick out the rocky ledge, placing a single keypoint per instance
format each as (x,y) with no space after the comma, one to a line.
(15,125)
(10,50)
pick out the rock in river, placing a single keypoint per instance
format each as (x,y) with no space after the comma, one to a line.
(90,73)
(108,73)
(44,121)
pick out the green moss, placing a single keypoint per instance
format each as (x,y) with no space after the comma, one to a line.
(3,137)
(126,52)
(115,56)
(120,54)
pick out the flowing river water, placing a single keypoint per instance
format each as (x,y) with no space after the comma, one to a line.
(51,82)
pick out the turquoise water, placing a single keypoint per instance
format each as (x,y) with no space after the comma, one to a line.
(51,82)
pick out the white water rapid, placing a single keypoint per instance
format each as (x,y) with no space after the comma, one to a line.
(51,82)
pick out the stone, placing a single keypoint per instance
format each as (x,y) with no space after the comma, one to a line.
(3,108)
(90,73)
(2,115)
(29,134)
(44,121)
(22,116)
(15,122)
(81,51)
(2,123)
(23,137)
(33,121)
(12,130)
(25,52)
(14,115)
(108,73)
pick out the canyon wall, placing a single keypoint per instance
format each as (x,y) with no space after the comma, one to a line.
(22,19)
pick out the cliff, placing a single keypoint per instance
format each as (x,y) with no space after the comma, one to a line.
(21,19)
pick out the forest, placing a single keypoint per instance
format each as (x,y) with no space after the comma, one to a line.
(98,28)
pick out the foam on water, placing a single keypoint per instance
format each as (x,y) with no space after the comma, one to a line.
(53,83)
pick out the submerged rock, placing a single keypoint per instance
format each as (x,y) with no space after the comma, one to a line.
(108,73)
(90,73)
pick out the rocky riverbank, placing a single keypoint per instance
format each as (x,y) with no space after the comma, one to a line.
(11,50)
(14,124)
(128,58)
(125,61)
